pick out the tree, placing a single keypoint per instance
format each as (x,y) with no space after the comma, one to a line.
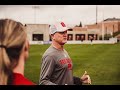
(80,25)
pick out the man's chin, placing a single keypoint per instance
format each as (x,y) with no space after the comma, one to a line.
(64,42)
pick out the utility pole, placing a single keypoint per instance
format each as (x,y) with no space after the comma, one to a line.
(35,7)
(103,25)
(96,13)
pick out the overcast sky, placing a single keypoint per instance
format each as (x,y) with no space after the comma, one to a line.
(70,14)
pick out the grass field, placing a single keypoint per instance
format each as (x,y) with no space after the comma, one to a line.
(102,62)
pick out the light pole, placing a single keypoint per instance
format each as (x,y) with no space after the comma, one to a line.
(103,25)
(96,13)
(35,7)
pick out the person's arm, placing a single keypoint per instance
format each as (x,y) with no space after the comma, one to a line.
(47,68)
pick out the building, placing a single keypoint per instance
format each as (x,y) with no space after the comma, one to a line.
(39,33)
(108,26)
(83,33)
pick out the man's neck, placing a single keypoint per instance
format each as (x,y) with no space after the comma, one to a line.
(57,46)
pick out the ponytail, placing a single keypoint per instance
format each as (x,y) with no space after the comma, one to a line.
(12,38)
(5,69)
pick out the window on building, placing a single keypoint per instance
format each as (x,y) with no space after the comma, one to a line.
(37,37)
(80,37)
(95,36)
(77,37)
(70,37)
(90,36)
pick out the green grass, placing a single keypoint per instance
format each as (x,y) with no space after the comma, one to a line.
(102,62)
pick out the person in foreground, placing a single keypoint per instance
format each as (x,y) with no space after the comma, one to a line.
(14,51)
(56,65)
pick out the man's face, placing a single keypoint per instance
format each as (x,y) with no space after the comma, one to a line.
(60,37)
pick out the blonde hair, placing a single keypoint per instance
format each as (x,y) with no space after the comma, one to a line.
(12,39)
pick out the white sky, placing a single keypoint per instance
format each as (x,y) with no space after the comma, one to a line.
(70,14)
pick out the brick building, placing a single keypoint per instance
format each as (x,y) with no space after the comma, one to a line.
(110,26)
(40,32)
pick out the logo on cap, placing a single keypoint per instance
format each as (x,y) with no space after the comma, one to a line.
(62,23)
